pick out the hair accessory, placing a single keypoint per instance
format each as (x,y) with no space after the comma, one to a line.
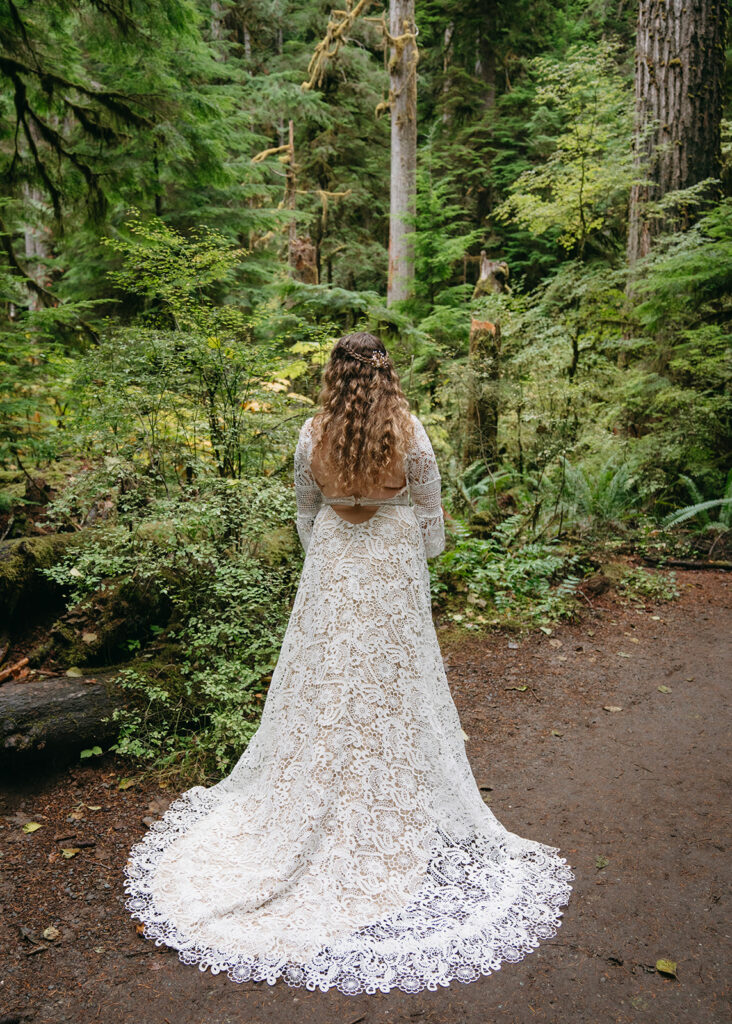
(378,359)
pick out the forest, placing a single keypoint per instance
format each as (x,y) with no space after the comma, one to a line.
(530,203)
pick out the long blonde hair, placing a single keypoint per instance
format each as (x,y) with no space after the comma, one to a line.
(365,423)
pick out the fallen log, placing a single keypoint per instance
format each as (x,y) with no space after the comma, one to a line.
(24,590)
(688,563)
(55,718)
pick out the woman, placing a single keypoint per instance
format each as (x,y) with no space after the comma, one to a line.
(350,846)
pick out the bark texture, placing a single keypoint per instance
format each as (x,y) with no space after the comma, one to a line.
(679,68)
(403,101)
(49,717)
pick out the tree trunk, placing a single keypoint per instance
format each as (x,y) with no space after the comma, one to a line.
(679,69)
(485,60)
(403,97)
(446,57)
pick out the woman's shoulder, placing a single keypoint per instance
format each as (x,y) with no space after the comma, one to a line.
(418,430)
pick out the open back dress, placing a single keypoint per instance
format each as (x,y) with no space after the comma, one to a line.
(350,846)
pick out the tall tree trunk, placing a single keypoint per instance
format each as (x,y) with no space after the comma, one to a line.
(679,68)
(36,247)
(403,95)
(485,69)
(446,58)
(485,60)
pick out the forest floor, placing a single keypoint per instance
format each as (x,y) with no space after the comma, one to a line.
(636,798)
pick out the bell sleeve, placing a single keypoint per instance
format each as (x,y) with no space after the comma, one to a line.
(424,481)
(307,493)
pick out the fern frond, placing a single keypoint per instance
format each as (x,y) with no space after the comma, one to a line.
(692,510)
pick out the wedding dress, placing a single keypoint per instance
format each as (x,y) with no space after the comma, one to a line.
(350,846)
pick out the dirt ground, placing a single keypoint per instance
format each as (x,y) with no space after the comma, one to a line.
(637,798)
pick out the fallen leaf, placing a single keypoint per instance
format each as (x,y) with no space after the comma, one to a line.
(69,851)
(664,689)
(74,671)
(612,707)
(465,735)
(555,642)
(519,688)
(125,783)
(31,826)
(656,617)
(666,967)
(545,629)
(601,862)
(623,654)
(556,732)
(51,932)
(94,807)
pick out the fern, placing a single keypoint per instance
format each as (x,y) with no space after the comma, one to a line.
(700,508)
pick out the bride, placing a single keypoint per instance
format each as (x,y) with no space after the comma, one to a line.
(350,846)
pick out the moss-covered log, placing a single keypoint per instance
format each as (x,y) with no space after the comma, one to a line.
(55,717)
(24,590)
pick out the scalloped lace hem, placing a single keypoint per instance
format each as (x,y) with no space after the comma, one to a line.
(457,927)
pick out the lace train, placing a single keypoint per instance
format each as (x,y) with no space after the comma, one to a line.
(350,846)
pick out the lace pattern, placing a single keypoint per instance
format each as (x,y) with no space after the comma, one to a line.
(350,847)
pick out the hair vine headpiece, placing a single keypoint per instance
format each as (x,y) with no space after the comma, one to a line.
(377,359)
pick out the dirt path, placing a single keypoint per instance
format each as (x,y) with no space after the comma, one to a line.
(643,791)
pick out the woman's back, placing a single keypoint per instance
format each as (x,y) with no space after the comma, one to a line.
(415,480)
(358,507)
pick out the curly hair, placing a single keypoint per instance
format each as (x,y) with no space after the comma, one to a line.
(365,423)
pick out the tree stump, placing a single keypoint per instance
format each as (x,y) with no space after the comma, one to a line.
(484,368)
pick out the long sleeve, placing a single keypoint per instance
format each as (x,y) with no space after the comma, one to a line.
(307,493)
(424,481)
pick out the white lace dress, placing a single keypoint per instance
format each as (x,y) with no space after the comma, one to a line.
(350,846)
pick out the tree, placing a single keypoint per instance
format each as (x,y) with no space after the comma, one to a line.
(403,101)
(578,187)
(401,37)
(679,69)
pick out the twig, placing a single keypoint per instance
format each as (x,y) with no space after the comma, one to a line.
(11,669)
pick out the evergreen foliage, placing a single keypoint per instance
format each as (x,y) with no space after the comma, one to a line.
(172,281)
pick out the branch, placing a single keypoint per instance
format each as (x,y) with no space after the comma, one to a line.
(334,37)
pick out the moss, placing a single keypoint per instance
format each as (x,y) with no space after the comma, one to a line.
(23,589)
